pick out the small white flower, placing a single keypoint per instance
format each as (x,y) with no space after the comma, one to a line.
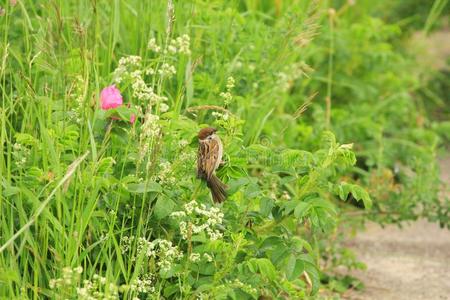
(230,83)
(286,196)
(207,257)
(163,107)
(178,214)
(183,44)
(167,70)
(152,45)
(172,49)
(227,97)
(194,257)
(52,283)
(189,207)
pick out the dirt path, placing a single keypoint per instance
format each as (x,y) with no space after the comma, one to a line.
(411,263)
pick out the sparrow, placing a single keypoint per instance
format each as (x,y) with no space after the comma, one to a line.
(209,157)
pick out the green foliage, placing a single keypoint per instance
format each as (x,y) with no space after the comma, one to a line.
(96,205)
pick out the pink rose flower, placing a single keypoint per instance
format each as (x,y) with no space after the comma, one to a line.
(110,97)
(133,118)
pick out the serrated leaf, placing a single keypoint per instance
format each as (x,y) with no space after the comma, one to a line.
(279,254)
(301,243)
(290,267)
(266,268)
(322,203)
(301,209)
(359,193)
(289,206)
(313,273)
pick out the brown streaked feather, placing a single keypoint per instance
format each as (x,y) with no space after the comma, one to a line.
(208,155)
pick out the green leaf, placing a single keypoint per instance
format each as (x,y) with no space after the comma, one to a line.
(171,272)
(8,276)
(300,244)
(326,205)
(252,190)
(170,290)
(265,206)
(25,139)
(236,184)
(271,242)
(290,267)
(359,193)
(279,254)
(163,207)
(301,209)
(313,273)
(144,187)
(289,206)
(264,266)
(10,190)
(311,269)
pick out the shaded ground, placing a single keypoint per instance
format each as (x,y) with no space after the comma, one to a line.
(411,263)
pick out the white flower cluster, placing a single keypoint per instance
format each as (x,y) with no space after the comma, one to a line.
(180,44)
(237,284)
(130,68)
(140,89)
(98,289)
(230,83)
(224,116)
(165,174)
(150,129)
(162,250)
(227,96)
(125,243)
(20,155)
(208,257)
(126,64)
(167,70)
(70,277)
(145,247)
(143,284)
(243,286)
(183,143)
(143,92)
(196,257)
(199,219)
(152,45)
(76,92)
(167,254)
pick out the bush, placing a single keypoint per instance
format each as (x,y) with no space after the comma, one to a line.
(316,108)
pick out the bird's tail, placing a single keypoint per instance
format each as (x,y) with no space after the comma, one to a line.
(218,189)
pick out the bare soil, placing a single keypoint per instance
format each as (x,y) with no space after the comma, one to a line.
(409,263)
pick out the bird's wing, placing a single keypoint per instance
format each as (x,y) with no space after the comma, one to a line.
(207,157)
